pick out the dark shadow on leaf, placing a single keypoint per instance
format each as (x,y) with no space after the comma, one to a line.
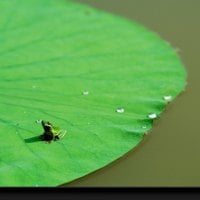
(33,139)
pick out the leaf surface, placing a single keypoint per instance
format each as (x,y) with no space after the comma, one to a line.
(95,75)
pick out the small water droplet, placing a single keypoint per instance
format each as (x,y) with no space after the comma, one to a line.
(17,132)
(144,127)
(38,121)
(85,92)
(24,112)
(167,98)
(120,110)
(152,115)
(33,86)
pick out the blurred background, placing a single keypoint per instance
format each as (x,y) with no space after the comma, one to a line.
(169,155)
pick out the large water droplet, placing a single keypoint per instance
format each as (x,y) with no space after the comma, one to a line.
(120,110)
(85,92)
(152,115)
(167,98)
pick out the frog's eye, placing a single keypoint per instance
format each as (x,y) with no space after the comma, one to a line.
(46,126)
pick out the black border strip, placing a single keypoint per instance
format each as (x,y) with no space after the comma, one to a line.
(86,193)
(83,190)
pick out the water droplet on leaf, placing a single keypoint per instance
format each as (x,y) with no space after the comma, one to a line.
(85,92)
(152,115)
(167,98)
(120,110)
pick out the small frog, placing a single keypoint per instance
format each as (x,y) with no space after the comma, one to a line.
(51,133)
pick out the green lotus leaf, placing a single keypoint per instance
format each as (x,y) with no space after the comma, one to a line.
(100,78)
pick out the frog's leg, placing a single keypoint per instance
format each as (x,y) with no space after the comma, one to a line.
(62,133)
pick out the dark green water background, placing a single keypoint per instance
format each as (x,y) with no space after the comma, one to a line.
(170,154)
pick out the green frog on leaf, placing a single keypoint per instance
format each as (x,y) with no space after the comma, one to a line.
(51,132)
